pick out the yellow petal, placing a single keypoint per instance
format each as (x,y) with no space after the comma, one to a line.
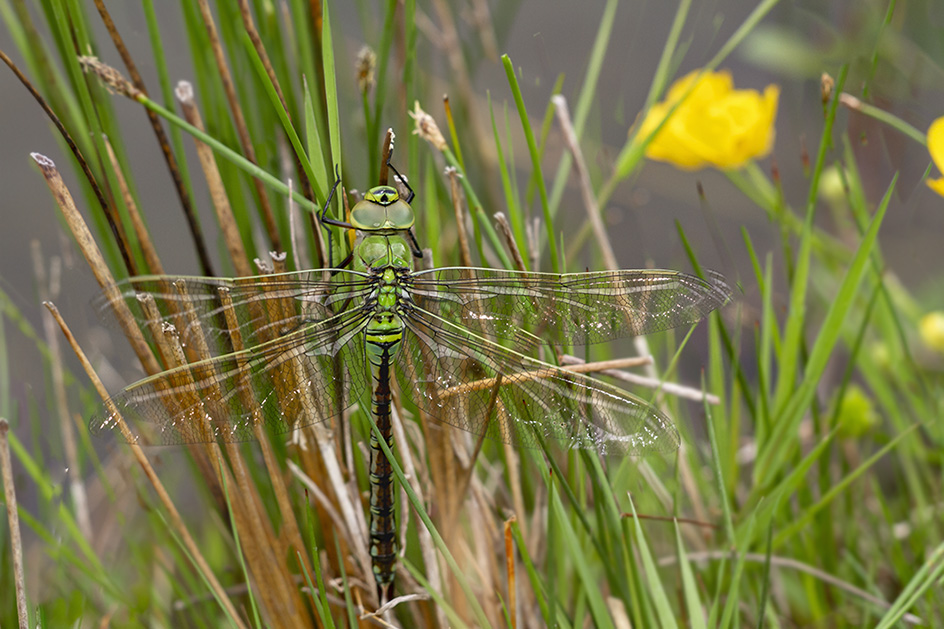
(715,125)
(936,142)
(937,185)
(931,328)
(936,148)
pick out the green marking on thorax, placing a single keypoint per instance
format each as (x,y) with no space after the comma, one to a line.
(383,217)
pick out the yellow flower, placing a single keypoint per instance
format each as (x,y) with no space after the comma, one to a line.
(716,125)
(936,148)
(931,328)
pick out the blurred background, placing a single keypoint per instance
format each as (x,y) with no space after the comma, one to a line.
(793,46)
(897,66)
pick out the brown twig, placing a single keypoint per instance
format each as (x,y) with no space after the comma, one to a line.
(316,449)
(275,473)
(13,521)
(427,548)
(465,254)
(263,551)
(246,13)
(96,261)
(386,153)
(504,228)
(586,189)
(239,121)
(211,173)
(175,520)
(148,250)
(293,228)
(162,141)
(510,572)
(672,388)
(538,374)
(103,202)
(48,288)
(606,248)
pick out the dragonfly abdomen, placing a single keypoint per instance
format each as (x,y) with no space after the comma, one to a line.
(383,339)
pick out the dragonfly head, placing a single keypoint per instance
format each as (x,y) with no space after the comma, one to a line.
(382,210)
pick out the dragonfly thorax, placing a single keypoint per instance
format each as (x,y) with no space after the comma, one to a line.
(378,252)
(384,331)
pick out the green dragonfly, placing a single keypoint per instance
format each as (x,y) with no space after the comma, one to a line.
(282,351)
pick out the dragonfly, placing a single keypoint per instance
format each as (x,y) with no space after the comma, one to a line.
(286,350)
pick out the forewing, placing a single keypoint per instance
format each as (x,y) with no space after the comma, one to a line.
(259,354)
(528,309)
(266,307)
(474,384)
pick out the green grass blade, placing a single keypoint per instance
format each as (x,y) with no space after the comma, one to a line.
(578,555)
(448,609)
(765,586)
(810,511)
(234,529)
(167,89)
(928,576)
(656,590)
(733,593)
(797,314)
(772,457)
(719,473)
(284,119)
(693,602)
(668,59)
(537,582)
(230,155)
(535,162)
(331,88)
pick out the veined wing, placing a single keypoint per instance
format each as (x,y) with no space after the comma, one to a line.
(575,308)
(266,307)
(302,376)
(472,383)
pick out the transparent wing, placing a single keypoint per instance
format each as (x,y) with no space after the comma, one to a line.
(476,385)
(256,358)
(266,307)
(529,309)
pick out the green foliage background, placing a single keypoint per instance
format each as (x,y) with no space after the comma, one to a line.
(809,496)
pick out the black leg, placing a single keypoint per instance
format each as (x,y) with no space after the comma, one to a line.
(346,261)
(327,223)
(415,246)
(402,180)
(323,219)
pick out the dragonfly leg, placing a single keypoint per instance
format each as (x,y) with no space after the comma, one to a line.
(415,246)
(327,223)
(346,261)
(323,219)
(402,180)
